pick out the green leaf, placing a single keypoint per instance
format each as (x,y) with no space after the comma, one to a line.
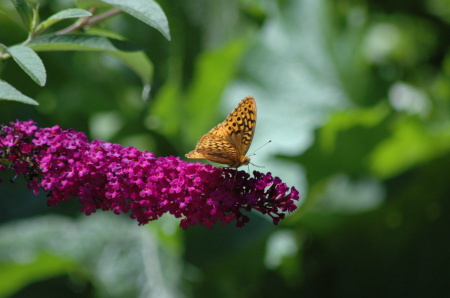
(167,113)
(72,247)
(343,121)
(8,92)
(410,145)
(30,62)
(16,276)
(88,4)
(148,11)
(25,11)
(62,15)
(136,61)
(343,144)
(80,42)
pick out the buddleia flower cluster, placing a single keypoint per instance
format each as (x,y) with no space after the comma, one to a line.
(106,176)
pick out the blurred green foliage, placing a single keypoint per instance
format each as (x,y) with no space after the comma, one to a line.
(356,98)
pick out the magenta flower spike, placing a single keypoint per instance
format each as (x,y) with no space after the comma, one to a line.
(108,176)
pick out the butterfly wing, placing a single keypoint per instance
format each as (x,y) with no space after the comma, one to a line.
(215,149)
(239,127)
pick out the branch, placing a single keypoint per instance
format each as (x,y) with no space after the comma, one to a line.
(89,21)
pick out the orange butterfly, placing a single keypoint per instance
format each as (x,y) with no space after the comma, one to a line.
(228,142)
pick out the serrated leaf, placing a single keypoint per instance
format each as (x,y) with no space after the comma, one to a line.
(81,42)
(148,11)
(30,62)
(8,92)
(25,12)
(62,15)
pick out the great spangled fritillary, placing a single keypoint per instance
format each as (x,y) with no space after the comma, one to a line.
(228,142)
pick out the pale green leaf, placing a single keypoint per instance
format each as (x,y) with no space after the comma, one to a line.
(80,42)
(8,92)
(30,62)
(62,15)
(147,11)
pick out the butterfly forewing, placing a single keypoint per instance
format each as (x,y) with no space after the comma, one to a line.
(228,142)
(239,127)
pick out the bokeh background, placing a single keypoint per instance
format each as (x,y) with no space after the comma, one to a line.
(355,96)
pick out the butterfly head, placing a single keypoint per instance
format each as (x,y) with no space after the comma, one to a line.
(244,160)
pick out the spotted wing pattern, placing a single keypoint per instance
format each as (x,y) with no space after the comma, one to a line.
(228,142)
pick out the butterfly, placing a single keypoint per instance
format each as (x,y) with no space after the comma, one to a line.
(228,142)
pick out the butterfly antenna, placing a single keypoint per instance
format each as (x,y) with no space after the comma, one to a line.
(253,153)
(257,166)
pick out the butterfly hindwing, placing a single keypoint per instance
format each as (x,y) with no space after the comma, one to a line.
(215,149)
